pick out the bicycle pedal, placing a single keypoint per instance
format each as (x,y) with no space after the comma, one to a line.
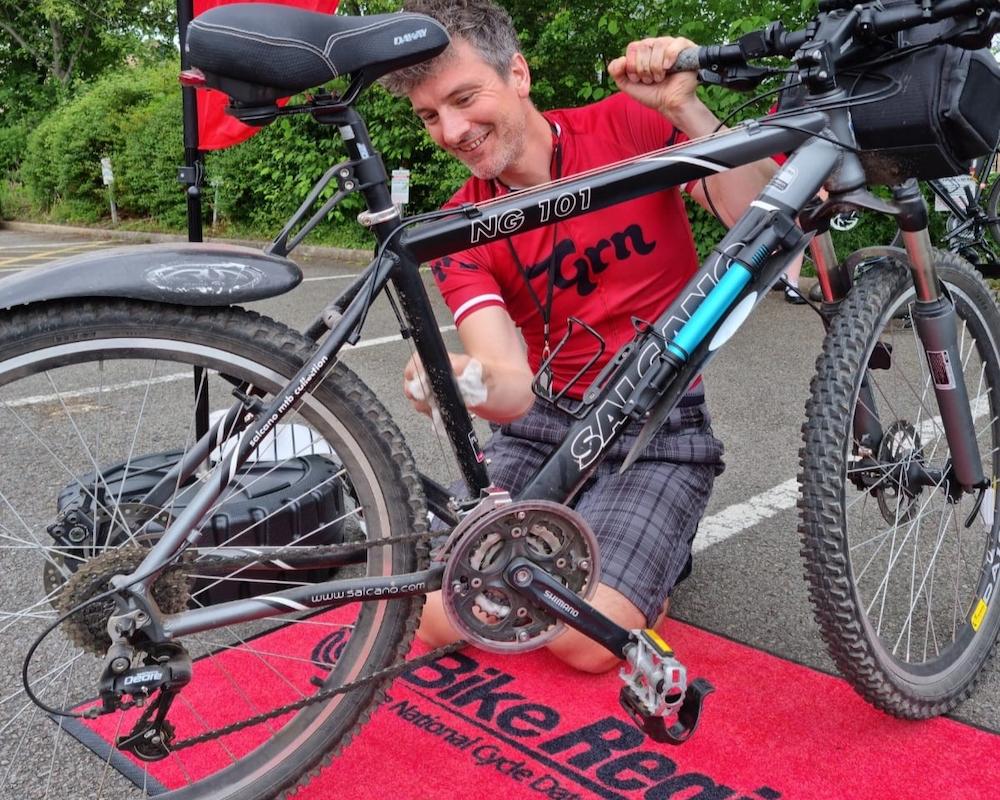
(656,690)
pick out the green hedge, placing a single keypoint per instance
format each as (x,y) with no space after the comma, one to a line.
(125,116)
(133,117)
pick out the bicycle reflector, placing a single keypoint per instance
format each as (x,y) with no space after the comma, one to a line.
(192,77)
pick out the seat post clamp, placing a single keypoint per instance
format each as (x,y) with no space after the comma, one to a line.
(371,218)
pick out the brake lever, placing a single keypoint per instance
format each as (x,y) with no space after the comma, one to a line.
(738,78)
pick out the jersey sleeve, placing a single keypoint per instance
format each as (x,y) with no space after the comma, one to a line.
(467,280)
(466,283)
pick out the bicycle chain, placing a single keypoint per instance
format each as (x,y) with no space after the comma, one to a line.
(291,553)
(287,554)
(325,694)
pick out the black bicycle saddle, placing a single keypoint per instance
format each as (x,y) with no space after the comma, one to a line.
(257,52)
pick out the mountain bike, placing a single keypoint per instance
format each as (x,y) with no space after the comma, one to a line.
(197,495)
(972,202)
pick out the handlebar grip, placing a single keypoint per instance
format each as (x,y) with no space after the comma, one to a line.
(689,60)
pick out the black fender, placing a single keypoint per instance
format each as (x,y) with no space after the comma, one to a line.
(190,274)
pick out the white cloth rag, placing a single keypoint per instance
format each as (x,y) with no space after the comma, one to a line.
(470,384)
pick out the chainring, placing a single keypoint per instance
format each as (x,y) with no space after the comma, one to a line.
(482,606)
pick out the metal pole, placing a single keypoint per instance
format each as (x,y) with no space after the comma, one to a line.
(191,176)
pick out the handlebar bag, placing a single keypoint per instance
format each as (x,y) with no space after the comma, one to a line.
(943,112)
(946,113)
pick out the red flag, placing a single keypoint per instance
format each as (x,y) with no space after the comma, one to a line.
(216,129)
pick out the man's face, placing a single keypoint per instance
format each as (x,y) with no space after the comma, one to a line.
(472,112)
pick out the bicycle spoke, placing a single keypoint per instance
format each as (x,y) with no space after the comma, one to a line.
(104,425)
(913,603)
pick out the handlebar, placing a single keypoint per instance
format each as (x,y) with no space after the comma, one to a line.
(837,32)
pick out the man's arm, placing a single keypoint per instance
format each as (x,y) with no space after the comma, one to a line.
(642,73)
(490,337)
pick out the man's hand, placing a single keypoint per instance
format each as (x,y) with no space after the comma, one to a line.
(415,370)
(643,73)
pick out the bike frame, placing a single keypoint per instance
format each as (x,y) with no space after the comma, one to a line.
(652,372)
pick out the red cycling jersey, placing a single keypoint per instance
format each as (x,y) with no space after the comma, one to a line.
(628,260)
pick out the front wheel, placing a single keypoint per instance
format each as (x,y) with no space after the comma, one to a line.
(902,572)
(98,399)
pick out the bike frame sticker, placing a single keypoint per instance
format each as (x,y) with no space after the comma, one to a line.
(941,370)
(784,179)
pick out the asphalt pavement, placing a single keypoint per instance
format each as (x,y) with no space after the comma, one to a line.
(747,583)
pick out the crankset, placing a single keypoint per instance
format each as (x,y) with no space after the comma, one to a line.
(480,602)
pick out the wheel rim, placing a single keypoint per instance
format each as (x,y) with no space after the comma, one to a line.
(917,572)
(75,415)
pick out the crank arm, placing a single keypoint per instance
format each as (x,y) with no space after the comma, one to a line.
(535,584)
(656,687)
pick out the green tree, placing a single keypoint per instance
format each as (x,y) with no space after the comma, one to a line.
(66,39)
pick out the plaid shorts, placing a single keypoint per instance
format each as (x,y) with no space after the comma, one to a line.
(645,519)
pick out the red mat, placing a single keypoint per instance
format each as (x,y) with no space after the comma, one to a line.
(476,725)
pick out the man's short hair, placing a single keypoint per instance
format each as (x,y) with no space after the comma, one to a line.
(482,23)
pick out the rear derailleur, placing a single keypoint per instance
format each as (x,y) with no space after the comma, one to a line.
(152,685)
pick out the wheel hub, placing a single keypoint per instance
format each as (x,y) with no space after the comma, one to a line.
(901,459)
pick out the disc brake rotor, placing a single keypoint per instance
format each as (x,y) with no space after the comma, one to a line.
(479,603)
(897,499)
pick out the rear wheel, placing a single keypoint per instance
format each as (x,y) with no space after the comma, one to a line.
(96,403)
(902,573)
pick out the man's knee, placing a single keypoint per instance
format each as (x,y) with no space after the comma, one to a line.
(586,655)
(435,630)
(570,647)
(583,654)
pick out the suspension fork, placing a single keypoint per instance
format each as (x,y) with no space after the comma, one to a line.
(936,323)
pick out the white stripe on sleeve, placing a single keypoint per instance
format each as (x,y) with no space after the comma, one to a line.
(475,301)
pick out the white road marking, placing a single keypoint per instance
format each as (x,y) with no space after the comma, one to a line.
(41,247)
(394,338)
(740,516)
(39,399)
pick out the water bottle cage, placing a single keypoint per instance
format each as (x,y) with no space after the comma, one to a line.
(542,384)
